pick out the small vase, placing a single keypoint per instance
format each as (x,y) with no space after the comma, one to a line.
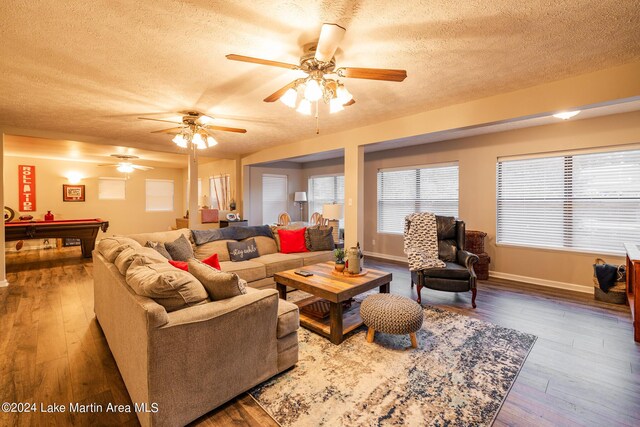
(232,206)
(339,267)
(48,216)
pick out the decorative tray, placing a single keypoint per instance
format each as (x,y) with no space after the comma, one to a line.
(345,273)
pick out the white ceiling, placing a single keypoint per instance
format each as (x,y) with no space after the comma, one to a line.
(85,70)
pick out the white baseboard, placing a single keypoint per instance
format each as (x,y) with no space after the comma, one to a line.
(542,282)
(385,256)
(4,283)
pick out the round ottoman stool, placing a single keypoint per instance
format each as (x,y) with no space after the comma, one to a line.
(391,314)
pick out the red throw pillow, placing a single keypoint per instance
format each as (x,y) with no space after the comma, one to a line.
(182,265)
(212,261)
(292,241)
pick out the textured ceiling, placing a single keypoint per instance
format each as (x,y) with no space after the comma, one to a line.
(90,68)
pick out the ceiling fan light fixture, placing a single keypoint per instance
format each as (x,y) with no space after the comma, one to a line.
(335,105)
(180,141)
(125,168)
(313,91)
(289,98)
(304,107)
(343,94)
(211,141)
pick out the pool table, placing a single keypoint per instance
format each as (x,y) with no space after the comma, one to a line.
(84,229)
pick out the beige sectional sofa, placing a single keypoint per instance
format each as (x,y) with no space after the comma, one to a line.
(190,361)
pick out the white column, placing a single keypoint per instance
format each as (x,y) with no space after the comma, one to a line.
(353,195)
(3,270)
(192,189)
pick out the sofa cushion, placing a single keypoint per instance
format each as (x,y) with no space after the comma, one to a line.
(288,318)
(243,251)
(158,247)
(451,271)
(277,262)
(219,285)
(218,247)
(161,236)
(266,245)
(172,288)
(319,239)
(128,255)
(247,270)
(180,249)
(110,247)
(276,236)
(309,258)
(292,241)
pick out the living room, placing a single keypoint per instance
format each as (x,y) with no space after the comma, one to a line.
(468,133)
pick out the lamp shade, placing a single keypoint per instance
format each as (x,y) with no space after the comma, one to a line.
(332,211)
(300,196)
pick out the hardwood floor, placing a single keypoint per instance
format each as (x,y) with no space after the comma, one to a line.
(583,370)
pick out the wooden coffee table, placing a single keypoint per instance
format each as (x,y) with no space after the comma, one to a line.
(336,288)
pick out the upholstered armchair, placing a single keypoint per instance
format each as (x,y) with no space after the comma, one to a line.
(458,275)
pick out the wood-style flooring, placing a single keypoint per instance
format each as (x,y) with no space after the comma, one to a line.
(583,370)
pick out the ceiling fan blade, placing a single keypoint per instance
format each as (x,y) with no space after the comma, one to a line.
(261,61)
(160,120)
(142,168)
(330,37)
(373,74)
(351,102)
(170,130)
(109,164)
(278,94)
(225,129)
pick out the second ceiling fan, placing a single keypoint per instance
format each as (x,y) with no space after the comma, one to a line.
(320,84)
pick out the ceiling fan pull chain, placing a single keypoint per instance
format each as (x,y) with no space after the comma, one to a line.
(317,120)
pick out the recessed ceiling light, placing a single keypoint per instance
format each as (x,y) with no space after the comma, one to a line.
(566,115)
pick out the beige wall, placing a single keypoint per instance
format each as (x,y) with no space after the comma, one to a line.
(477,161)
(216,168)
(124,216)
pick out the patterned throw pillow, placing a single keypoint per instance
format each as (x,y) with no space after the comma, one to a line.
(319,239)
(180,249)
(242,251)
(219,285)
(159,247)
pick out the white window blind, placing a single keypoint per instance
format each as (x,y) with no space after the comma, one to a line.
(583,202)
(274,197)
(423,189)
(111,189)
(159,195)
(219,187)
(325,189)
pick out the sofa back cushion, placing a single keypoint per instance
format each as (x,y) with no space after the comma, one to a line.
(172,288)
(266,245)
(219,285)
(161,236)
(110,247)
(159,247)
(216,247)
(128,255)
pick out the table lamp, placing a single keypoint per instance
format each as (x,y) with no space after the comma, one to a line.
(301,198)
(333,213)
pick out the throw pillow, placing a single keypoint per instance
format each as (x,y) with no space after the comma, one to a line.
(242,251)
(182,265)
(180,249)
(212,261)
(159,247)
(172,288)
(319,239)
(219,285)
(292,241)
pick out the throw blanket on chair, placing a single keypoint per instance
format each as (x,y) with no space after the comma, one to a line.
(421,241)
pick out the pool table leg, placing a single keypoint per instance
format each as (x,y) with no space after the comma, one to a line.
(87,246)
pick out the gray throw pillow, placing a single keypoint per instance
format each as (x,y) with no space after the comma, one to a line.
(242,251)
(159,247)
(319,239)
(218,284)
(180,249)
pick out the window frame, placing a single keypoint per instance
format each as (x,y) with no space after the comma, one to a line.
(335,188)
(109,178)
(173,195)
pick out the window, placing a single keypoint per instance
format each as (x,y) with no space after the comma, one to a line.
(219,187)
(274,197)
(583,202)
(401,192)
(159,195)
(111,188)
(325,189)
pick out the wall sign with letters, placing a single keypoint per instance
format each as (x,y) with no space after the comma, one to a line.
(26,188)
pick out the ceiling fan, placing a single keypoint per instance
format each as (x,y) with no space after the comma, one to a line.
(124,165)
(322,81)
(195,128)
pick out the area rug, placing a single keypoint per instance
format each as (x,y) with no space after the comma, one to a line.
(459,375)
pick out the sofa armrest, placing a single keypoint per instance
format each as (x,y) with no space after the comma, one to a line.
(467,259)
(211,310)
